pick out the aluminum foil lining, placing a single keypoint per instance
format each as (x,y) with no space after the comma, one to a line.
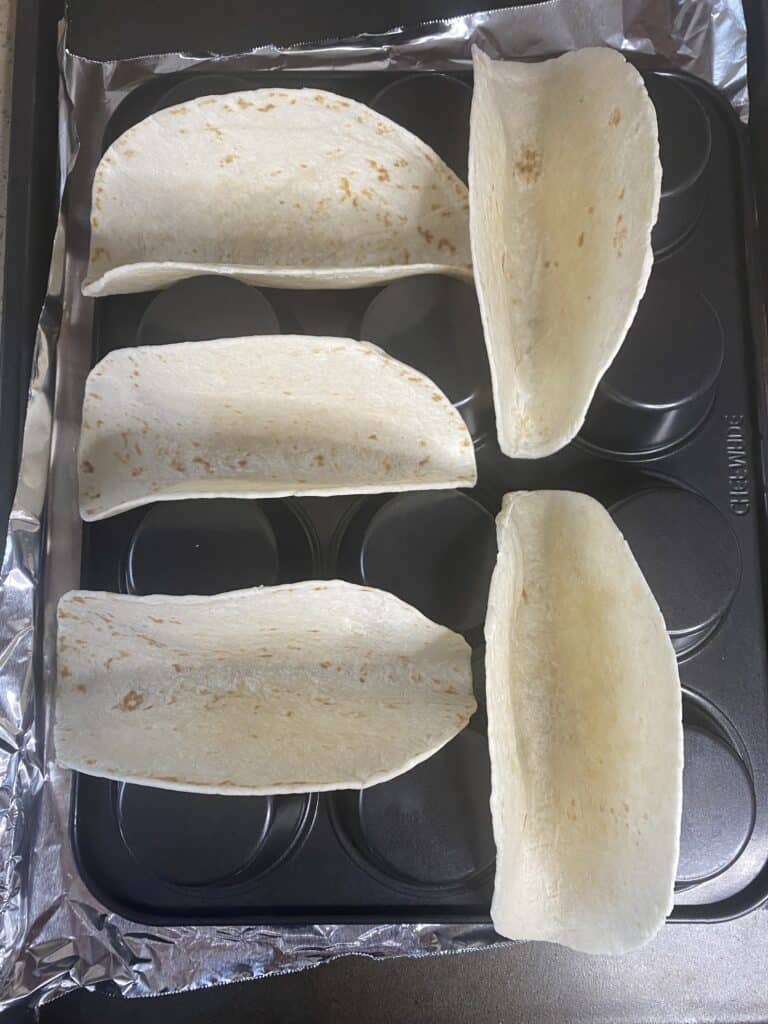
(55,935)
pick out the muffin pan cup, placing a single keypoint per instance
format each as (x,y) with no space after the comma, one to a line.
(670,446)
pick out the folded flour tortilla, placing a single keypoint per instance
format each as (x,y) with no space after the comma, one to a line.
(564,185)
(584,730)
(293,188)
(264,416)
(311,686)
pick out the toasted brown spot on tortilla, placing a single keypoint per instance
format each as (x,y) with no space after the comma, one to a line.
(437,397)
(150,640)
(266,109)
(228,159)
(81,688)
(615,117)
(175,111)
(243,103)
(86,466)
(426,234)
(319,459)
(64,671)
(131,701)
(444,243)
(325,664)
(527,165)
(214,130)
(621,194)
(524,595)
(424,461)
(204,463)
(178,465)
(345,188)
(547,264)
(580,240)
(381,172)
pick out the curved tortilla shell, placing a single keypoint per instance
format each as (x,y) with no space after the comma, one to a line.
(294,188)
(584,730)
(266,416)
(311,686)
(564,185)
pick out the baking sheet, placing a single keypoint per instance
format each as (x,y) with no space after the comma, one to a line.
(54,934)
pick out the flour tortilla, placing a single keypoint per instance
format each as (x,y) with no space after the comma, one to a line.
(290,689)
(263,417)
(584,729)
(564,184)
(291,188)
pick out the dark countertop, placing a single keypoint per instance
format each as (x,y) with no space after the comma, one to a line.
(690,972)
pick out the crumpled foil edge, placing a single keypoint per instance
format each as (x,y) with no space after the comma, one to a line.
(55,935)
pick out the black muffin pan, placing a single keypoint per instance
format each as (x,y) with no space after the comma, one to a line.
(671,446)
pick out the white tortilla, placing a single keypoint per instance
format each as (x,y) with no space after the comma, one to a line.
(584,730)
(311,686)
(266,416)
(564,182)
(288,188)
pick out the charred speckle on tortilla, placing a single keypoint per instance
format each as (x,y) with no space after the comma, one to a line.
(131,701)
(527,165)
